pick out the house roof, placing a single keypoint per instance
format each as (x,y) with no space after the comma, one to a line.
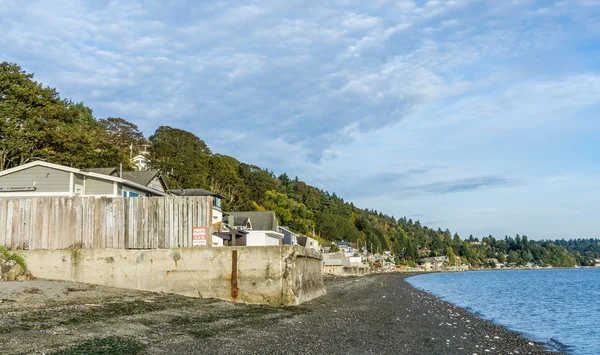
(93,172)
(259,220)
(194,192)
(105,171)
(143,177)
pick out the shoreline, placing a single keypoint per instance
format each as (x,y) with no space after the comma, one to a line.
(381,314)
(553,348)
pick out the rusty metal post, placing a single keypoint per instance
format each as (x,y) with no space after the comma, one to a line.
(234,275)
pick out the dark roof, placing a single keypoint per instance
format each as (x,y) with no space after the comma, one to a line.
(236,221)
(141,177)
(194,192)
(259,220)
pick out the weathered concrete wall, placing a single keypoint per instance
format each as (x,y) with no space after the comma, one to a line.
(346,270)
(268,275)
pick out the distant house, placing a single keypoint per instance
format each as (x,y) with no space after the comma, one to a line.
(42,179)
(434,263)
(289,237)
(260,228)
(346,247)
(140,162)
(325,247)
(308,242)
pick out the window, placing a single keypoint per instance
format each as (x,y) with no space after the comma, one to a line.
(217,202)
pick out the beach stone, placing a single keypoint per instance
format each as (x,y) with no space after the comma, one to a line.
(21,278)
(4,267)
(11,275)
(17,269)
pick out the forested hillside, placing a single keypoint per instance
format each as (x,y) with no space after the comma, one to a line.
(36,124)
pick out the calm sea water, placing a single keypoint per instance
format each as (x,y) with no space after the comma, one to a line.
(558,306)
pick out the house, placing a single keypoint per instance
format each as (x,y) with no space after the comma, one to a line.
(42,179)
(260,228)
(434,263)
(289,237)
(346,247)
(325,247)
(150,178)
(140,162)
(338,264)
(308,242)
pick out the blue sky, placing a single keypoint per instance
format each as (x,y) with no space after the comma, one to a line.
(477,116)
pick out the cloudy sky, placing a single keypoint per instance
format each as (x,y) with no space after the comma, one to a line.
(478,116)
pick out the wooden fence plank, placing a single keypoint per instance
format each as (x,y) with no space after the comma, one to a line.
(3,234)
(87,222)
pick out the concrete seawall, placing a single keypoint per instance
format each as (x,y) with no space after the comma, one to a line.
(278,275)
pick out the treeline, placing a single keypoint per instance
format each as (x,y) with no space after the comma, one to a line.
(35,123)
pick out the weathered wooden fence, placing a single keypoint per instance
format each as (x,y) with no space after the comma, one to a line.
(117,223)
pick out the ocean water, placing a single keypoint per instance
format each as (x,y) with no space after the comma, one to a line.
(558,306)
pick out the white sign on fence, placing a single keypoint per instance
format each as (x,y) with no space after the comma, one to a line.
(198,236)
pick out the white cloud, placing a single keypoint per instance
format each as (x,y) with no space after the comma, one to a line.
(327,85)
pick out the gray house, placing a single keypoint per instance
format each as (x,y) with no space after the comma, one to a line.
(42,179)
(289,237)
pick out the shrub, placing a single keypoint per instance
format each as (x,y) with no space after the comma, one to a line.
(14,257)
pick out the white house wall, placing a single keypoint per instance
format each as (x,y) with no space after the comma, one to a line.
(260,238)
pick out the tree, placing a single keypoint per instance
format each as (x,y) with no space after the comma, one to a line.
(222,178)
(122,133)
(181,157)
(35,124)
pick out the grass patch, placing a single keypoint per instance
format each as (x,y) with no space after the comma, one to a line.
(14,257)
(112,310)
(108,346)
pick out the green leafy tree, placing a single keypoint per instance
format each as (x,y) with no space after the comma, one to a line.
(35,124)
(181,157)
(122,133)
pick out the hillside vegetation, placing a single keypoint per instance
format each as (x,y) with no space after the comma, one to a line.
(36,124)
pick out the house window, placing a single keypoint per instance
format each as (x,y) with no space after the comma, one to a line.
(217,202)
(130,194)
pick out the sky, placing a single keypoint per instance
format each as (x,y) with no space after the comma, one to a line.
(482,117)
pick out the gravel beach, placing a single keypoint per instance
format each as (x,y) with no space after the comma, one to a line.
(379,314)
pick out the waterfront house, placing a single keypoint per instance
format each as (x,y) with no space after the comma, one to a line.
(325,247)
(434,263)
(289,237)
(42,179)
(308,242)
(259,228)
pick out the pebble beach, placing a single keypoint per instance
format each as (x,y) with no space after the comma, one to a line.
(378,314)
